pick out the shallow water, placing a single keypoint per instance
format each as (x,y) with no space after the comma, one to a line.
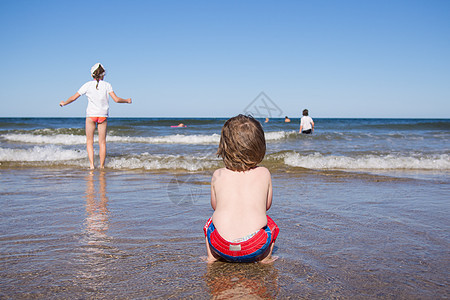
(73,233)
(362,206)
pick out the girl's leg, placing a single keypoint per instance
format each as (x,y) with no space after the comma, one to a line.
(102,142)
(90,129)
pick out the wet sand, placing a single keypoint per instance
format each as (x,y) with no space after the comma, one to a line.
(71,233)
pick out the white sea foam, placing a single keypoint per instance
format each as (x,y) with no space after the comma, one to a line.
(71,139)
(367,162)
(159,162)
(58,139)
(56,155)
(277,135)
(169,139)
(39,154)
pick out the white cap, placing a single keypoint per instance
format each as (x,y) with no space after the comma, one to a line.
(95,67)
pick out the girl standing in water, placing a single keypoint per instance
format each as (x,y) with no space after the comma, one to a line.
(97,91)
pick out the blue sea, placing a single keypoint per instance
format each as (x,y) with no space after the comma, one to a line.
(362,206)
(407,147)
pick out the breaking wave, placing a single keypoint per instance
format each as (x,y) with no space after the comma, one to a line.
(365,162)
(73,139)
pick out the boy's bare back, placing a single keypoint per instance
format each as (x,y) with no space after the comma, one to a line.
(241,193)
(240,201)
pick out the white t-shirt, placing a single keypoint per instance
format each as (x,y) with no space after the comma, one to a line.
(306,123)
(98,99)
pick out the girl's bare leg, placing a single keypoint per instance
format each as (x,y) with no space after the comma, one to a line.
(90,129)
(102,142)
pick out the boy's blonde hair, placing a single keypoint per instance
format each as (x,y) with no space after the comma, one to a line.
(242,143)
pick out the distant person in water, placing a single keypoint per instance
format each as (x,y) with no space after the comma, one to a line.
(306,123)
(267,120)
(97,92)
(241,193)
(287,120)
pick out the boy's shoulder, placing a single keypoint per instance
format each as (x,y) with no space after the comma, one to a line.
(220,172)
(261,170)
(225,171)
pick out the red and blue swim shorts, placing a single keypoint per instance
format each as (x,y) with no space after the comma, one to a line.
(250,250)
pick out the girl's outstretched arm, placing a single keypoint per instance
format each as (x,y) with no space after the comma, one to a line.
(118,99)
(70,100)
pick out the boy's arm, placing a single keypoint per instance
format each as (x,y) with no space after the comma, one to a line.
(269,194)
(118,99)
(70,100)
(213,193)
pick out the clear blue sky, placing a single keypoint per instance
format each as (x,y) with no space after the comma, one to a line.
(212,58)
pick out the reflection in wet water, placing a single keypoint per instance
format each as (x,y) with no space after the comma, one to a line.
(96,222)
(95,239)
(249,281)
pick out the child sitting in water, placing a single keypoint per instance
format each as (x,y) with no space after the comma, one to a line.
(241,193)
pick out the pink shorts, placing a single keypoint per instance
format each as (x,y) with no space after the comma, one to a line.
(98,120)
